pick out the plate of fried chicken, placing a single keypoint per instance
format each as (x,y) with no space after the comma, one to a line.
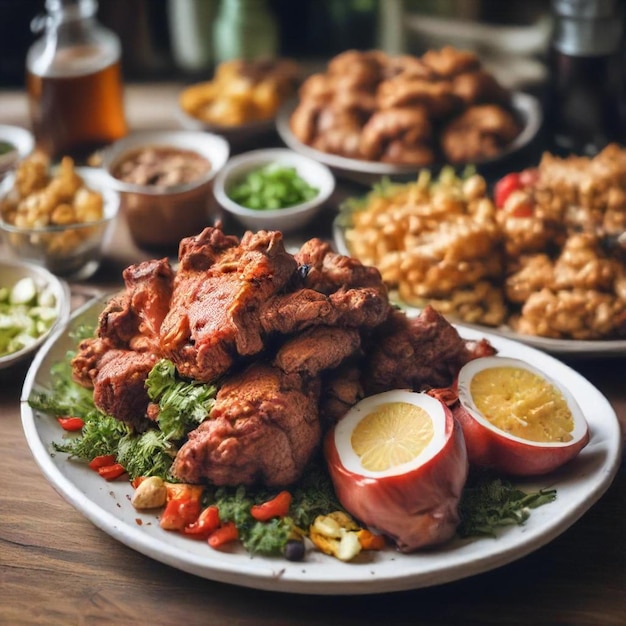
(294,340)
(373,114)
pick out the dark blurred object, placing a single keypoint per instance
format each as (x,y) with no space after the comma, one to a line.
(15,38)
(323,28)
(74,82)
(585,103)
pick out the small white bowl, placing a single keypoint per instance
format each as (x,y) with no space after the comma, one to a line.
(159,217)
(73,251)
(23,143)
(10,273)
(286,219)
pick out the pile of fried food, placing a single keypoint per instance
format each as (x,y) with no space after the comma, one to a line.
(42,197)
(293,339)
(242,91)
(543,256)
(440,107)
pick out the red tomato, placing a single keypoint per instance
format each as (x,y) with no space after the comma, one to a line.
(70,423)
(416,504)
(111,472)
(490,446)
(102,461)
(504,187)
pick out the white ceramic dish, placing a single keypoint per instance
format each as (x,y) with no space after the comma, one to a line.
(107,504)
(73,251)
(287,219)
(563,347)
(10,273)
(526,106)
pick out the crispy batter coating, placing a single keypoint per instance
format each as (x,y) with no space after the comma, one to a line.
(481,131)
(435,242)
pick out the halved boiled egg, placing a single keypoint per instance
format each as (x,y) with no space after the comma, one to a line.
(516,419)
(398,463)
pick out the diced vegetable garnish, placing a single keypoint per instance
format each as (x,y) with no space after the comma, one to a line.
(272,187)
(27,311)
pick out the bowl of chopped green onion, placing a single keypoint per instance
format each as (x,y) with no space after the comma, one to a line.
(273,189)
(33,302)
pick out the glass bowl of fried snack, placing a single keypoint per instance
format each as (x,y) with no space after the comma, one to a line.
(57,217)
(242,99)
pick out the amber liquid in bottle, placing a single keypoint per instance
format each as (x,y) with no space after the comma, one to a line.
(75,114)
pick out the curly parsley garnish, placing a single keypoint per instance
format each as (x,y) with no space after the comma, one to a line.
(490,502)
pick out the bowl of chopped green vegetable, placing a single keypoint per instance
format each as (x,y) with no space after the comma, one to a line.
(32,302)
(273,189)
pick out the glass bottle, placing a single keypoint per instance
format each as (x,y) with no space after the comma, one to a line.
(244,29)
(73,80)
(585,107)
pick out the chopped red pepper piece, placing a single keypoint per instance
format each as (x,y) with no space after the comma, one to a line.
(207,522)
(111,472)
(101,461)
(505,187)
(276,507)
(226,533)
(180,512)
(71,423)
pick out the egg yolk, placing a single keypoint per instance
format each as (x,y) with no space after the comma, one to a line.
(522,404)
(392,434)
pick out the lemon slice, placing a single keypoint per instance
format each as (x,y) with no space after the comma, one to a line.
(391,432)
(391,435)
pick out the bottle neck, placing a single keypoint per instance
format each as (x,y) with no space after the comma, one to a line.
(71,10)
(593,37)
(587,28)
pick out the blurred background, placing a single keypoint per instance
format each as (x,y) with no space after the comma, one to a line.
(184,39)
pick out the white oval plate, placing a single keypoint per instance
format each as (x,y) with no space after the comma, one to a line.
(107,504)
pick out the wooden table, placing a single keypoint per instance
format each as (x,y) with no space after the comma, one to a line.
(57,568)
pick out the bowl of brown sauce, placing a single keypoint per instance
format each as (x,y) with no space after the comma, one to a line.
(165,181)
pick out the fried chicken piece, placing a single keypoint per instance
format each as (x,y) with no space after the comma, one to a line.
(413,353)
(316,349)
(365,68)
(337,290)
(342,389)
(119,386)
(480,132)
(411,125)
(449,62)
(218,293)
(263,428)
(86,361)
(479,87)
(436,97)
(133,319)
